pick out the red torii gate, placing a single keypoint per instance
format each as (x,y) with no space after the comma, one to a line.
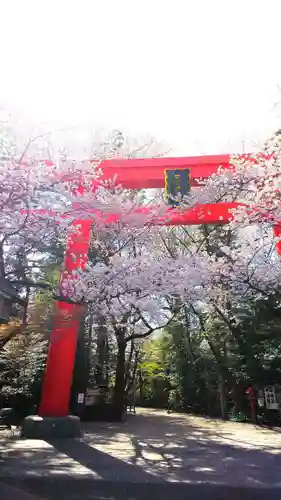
(131,174)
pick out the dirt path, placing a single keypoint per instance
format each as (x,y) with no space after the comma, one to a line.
(151,448)
(180,447)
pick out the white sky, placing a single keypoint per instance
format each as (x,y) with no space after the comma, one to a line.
(201,75)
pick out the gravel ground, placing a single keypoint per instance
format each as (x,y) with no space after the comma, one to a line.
(153,455)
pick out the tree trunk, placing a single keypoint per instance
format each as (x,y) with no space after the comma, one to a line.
(223,376)
(140,384)
(254,365)
(239,399)
(102,354)
(129,366)
(119,389)
(134,373)
(223,396)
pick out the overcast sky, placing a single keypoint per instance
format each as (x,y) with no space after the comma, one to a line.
(202,75)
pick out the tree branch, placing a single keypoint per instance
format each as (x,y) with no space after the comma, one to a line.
(150,329)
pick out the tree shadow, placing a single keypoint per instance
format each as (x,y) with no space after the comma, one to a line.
(153,456)
(175,449)
(120,480)
(102,464)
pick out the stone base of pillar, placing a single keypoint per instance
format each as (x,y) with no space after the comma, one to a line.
(37,427)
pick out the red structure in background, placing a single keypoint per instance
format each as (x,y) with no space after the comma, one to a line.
(132,174)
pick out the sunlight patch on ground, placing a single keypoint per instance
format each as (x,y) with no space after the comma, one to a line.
(203,469)
(151,455)
(38,458)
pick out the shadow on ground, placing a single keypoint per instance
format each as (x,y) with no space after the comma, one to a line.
(87,489)
(149,456)
(175,449)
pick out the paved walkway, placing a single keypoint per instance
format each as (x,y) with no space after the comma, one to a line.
(152,452)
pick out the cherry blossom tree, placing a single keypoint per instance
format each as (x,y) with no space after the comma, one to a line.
(40,200)
(136,286)
(139,276)
(28,184)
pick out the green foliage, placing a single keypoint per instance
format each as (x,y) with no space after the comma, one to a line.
(24,356)
(200,354)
